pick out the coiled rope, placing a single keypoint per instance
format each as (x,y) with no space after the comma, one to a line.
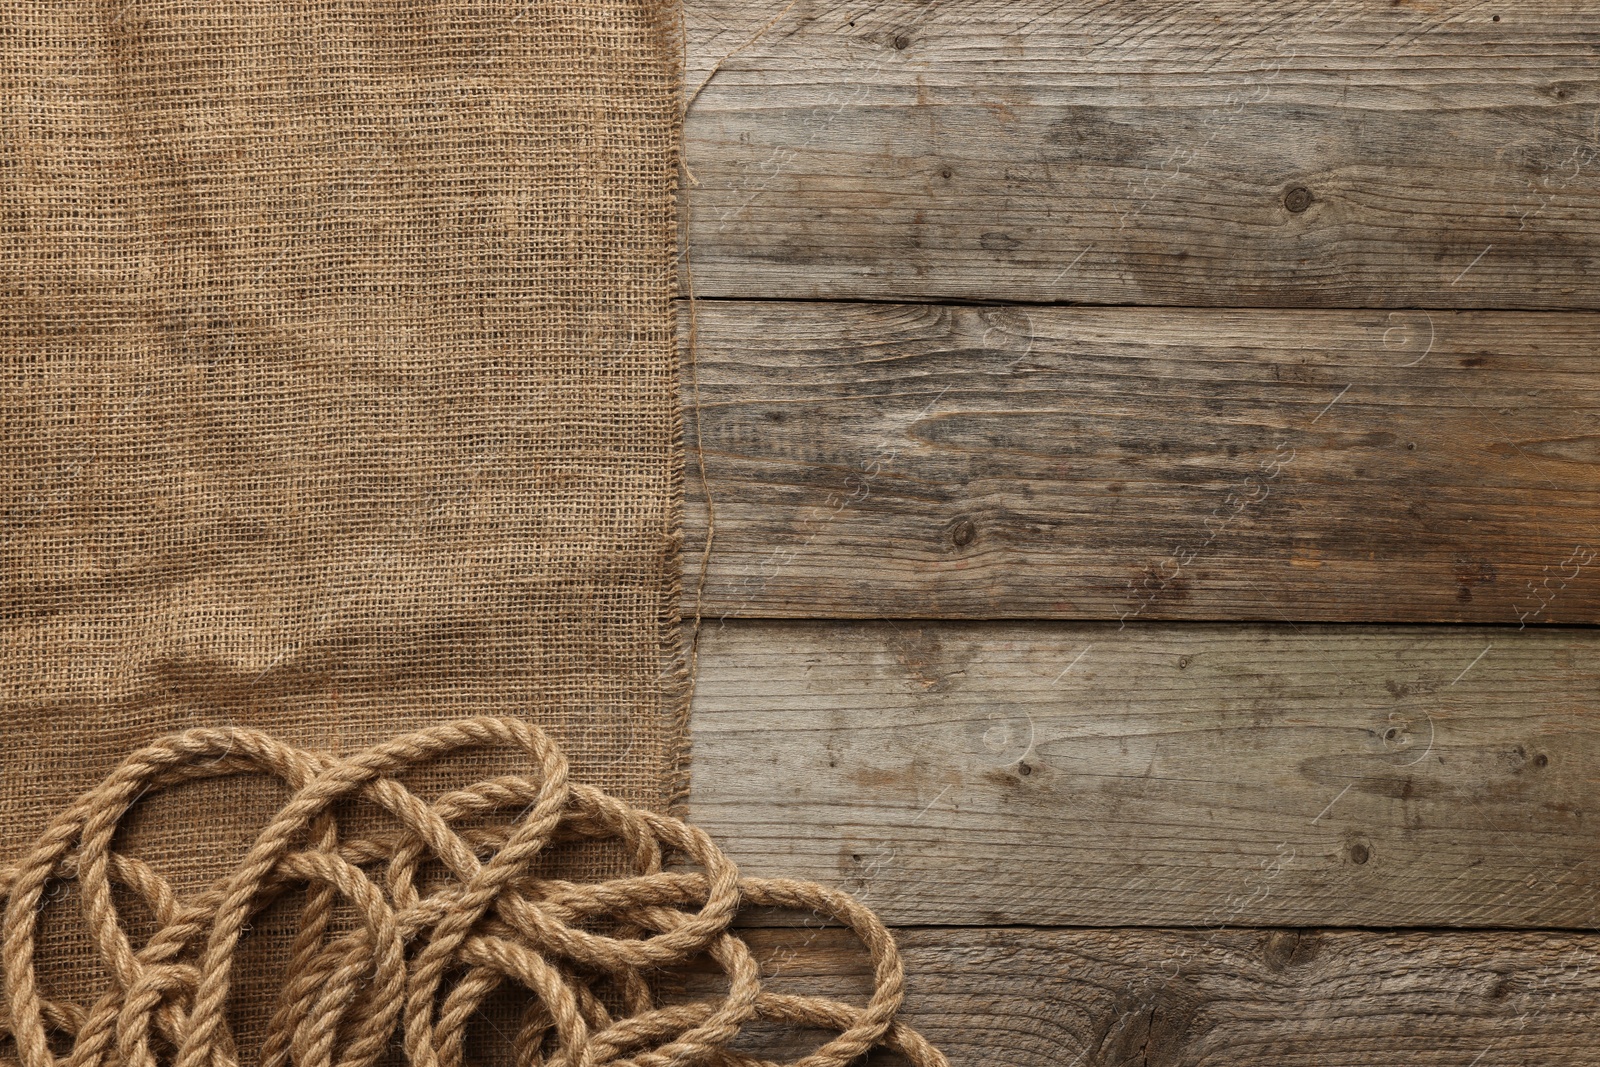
(422,957)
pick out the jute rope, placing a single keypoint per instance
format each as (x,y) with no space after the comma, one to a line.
(421,953)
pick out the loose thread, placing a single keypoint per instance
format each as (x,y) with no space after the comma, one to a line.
(693,351)
(717,66)
(693,363)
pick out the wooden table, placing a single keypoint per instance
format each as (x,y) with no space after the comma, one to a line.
(1154,451)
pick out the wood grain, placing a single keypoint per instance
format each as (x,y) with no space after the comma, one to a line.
(1241,998)
(1219,153)
(1112,463)
(1160,774)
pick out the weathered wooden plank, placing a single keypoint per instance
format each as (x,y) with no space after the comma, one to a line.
(1222,153)
(937,461)
(1245,998)
(1160,774)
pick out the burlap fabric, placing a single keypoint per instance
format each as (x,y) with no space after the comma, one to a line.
(338,394)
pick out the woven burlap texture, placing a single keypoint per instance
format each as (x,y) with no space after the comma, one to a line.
(338,390)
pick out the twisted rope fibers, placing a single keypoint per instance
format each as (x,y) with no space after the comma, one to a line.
(421,963)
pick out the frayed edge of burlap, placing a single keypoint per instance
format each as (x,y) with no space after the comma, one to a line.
(677,642)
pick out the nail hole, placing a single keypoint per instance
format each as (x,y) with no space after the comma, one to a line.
(1359,854)
(1023,768)
(1541,760)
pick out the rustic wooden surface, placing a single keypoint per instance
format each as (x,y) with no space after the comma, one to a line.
(1027,997)
(1439,155)
(936,461)
(1156,809)
(1160,774)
